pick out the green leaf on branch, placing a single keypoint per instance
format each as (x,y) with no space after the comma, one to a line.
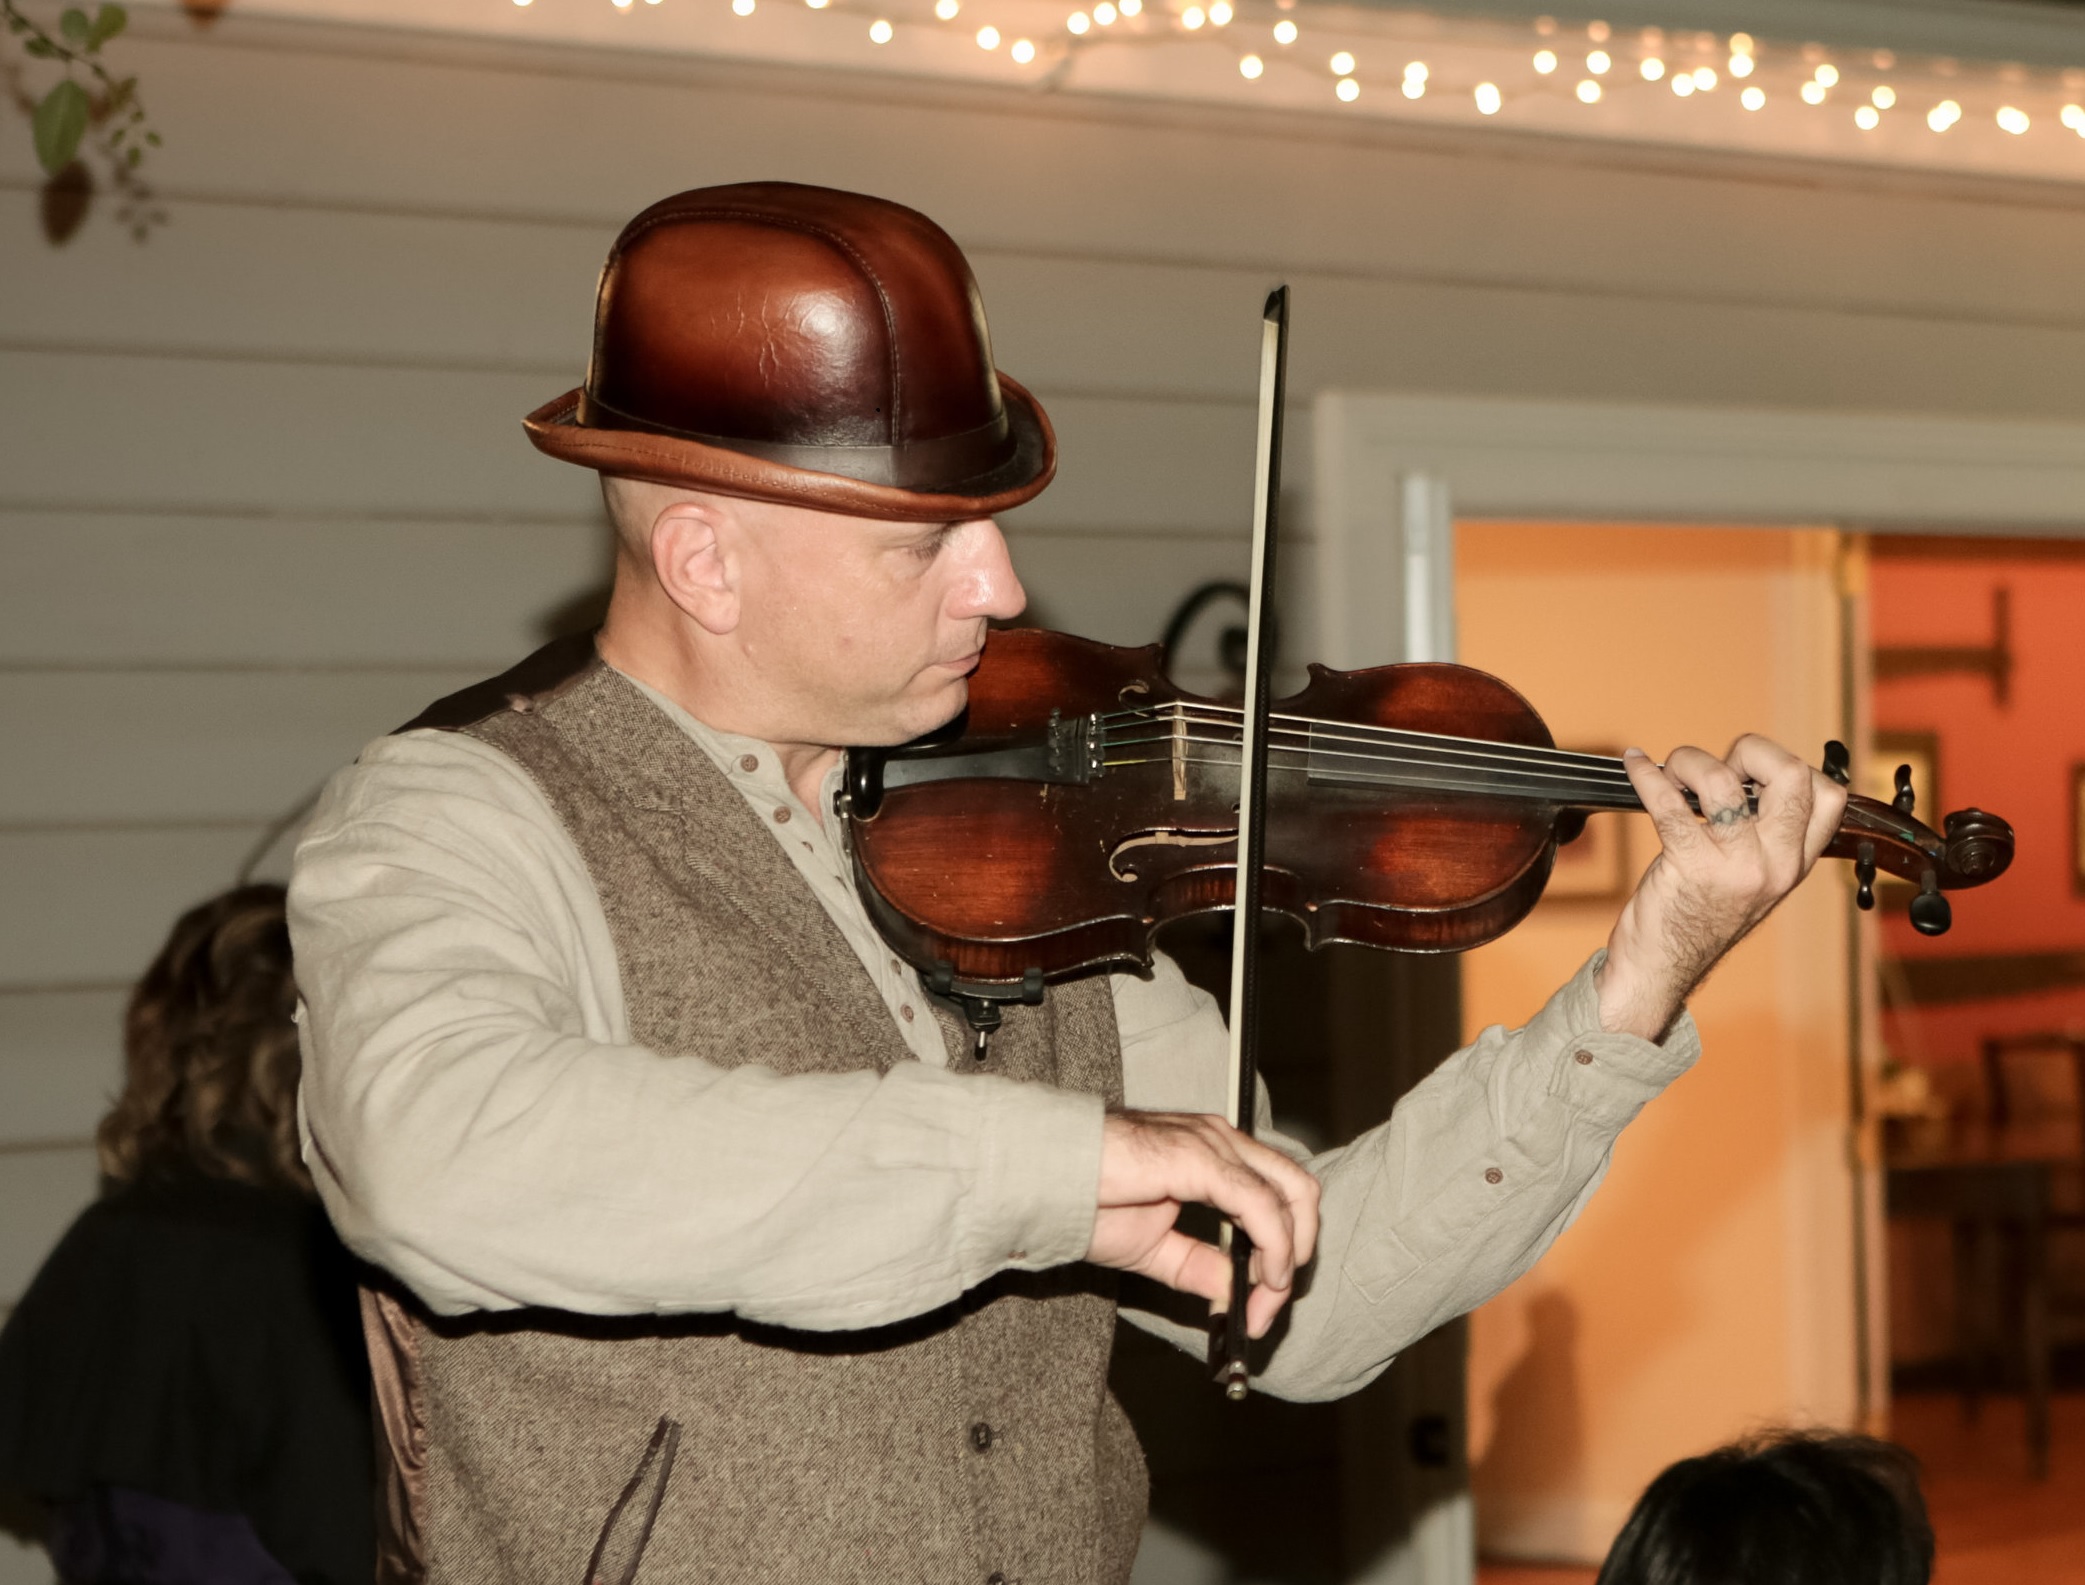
(42,49)
(108,22)
(60,122)
(73,24)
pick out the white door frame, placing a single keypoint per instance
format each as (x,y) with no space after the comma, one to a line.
(1393,470)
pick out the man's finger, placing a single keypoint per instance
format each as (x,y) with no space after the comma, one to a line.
(1786,799)
(1295,1185)
(1660,794)
(1718,789)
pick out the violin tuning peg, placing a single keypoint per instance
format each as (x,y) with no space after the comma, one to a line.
(1931,914)
(1864,874)
(1837,763)
(1906,800)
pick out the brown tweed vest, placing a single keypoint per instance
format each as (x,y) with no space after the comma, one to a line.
(976,1445)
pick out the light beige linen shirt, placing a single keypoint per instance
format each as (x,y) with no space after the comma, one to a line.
(479,1121)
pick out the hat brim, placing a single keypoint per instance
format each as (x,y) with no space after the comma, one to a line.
(557,432)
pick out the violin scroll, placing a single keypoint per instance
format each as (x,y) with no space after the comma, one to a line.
(1971,848)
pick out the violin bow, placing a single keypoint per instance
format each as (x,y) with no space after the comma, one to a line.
(1227,1337)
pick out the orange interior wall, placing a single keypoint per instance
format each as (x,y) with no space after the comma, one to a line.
(1708,1286)
(2013,759)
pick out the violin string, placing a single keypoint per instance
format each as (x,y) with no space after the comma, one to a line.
(1412,749)
(1577,789)
(1419,774)
(1219,716)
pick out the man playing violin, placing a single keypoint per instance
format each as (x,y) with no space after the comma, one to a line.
(704,1240)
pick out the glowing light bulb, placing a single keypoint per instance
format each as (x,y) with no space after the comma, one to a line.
(1347,89)
(1588,92)
(1598,62)
(1250,66)
(1078,22)
(1220,13)
(1943,115)
(1867,118)
(521,2)
(1104,14)
(818,5)
(881,32)
(1683,85)
(1652,68)
(622,5)
(1343,64)
(1489,99)
(1753,98)
(2073,116)
(1884,97)
(1284,32)
(1416,69)
(947,9)
(1705,78)
(1193,17)
(1742,65)
(2013,119)
(988,37)
(1813,93)
(1129,8)
(742,8)
(1414,88)
(1828,74)
(1545,61)
(1023,51)
(1743,44)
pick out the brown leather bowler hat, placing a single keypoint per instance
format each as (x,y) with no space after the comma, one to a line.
(801,345)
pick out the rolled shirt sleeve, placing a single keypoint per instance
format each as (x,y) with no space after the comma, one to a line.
(1427,1215)
(479,1122)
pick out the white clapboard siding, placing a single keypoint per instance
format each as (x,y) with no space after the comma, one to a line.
(454,293)
(60,1064)
(584,136)
(172,745)
(89,905)
(129,432)
(169,588)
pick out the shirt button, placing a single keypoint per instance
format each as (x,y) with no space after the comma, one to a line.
(782,817)
(749,762)
(981,1437)
(1493,1175)
(896,967)
(1583,1058)
(905,1012)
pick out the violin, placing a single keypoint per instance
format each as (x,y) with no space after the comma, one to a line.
(1082,803)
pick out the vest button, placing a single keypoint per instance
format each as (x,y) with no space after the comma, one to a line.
(981,1438)
(995,1578)
(749,762)
(1583,1058)
(905,1012)
(782,816)
(1493,1175)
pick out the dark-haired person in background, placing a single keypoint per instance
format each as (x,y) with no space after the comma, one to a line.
(1794,1508)
(183,1388)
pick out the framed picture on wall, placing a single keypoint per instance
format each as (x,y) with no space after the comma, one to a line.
(1595,868)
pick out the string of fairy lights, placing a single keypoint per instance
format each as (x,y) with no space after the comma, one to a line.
(1586,63)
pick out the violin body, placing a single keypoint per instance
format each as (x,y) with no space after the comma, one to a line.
(1082,802)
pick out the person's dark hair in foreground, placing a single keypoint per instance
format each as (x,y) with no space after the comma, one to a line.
(183,1389)
(1793,1508)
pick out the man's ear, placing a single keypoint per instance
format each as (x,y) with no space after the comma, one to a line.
(692,561)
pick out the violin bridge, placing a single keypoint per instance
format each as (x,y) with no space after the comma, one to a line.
(1179,755)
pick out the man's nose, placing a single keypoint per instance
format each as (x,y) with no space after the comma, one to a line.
(986,584)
